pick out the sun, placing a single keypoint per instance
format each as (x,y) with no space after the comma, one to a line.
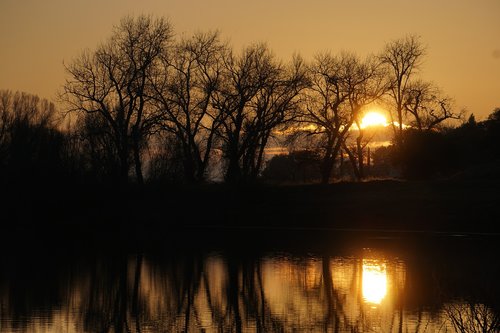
(373,118)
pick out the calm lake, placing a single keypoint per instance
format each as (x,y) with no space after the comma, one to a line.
(336,282)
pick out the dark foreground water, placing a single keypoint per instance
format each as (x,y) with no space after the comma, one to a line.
(345,282)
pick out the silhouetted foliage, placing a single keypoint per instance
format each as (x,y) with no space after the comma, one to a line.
(299,167)
(477,142)
(383,162)
(95,149)
(492,136)
(31,146)
(166,161)
(426,155)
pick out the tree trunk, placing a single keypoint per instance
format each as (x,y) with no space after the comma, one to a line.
(341,167)
(188,164)
(359,148)
(233,174)
(124,166)
(326,170)
(368,161)
(260,156)
(138,167)
(328,162)
(354,162)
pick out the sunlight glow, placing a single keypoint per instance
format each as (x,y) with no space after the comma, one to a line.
(373,118)
(374,281)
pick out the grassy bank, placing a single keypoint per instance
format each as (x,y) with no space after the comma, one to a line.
(455,206)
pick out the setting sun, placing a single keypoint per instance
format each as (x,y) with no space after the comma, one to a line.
(373,118)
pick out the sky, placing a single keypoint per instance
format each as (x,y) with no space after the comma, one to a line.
(462,36)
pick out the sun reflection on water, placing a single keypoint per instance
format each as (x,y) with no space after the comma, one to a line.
(374,281)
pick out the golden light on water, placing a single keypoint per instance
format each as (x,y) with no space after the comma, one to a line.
(374,281)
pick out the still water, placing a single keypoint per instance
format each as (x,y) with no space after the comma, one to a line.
(441,284)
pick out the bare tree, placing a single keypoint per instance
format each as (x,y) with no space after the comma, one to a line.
(6,116)
(255,97)
(341,87)
(402,58)
(275,105)
(183,91)
(426,107)
(94,146)
(356,154)
(113,82)
(369,93)
(30,143)
(22,107)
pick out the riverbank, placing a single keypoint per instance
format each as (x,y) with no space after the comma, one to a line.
(389,205)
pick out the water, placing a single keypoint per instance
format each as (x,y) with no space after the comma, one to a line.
(354,283)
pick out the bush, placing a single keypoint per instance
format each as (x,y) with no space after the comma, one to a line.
(299,166)
(426,154)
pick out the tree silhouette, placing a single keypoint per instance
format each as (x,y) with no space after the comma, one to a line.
(114,83)
(257,95)
(426,107)
(341,87)
(190,106)
(96,149)
(402,58)
(492,129)
(31,146)
(298,166)
(183,90)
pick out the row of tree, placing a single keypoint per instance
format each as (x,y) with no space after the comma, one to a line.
(143,89)
(30,144)
(147,104)
(468,150)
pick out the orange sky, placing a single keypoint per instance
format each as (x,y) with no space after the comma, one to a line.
(462,36)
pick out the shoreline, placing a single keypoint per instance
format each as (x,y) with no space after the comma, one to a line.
(446,208)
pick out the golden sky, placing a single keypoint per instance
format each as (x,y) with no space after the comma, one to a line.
(462,36)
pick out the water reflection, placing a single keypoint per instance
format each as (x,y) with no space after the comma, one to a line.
(227,292)
(374,281)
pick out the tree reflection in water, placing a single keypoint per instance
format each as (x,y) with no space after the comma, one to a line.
(229,293)
(468,317)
